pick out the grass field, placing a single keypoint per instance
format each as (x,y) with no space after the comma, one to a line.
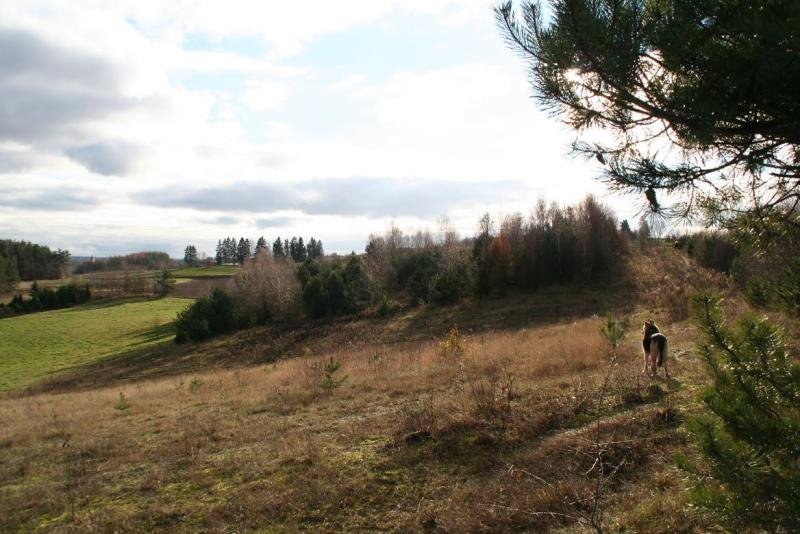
(206,272)
(35,345)
(497,431)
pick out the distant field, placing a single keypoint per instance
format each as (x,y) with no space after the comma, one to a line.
(35,345)
(206,272)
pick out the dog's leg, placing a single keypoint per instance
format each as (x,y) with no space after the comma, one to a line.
(653,360)
(646,356)
(664,358)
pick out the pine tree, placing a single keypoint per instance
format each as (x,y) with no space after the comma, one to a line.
(312,249)
(751,433)
(230,250)
(302,252)
(286,249)
(277,248)
(219,256)
(243,250)
(261,244)
(713,80)
(190,256)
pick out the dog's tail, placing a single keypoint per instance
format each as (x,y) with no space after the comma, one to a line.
(662,349)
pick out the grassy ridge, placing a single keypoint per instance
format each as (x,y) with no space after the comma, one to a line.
(35,345)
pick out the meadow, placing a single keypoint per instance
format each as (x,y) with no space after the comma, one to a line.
(36,345)
(213,271)
(396,423)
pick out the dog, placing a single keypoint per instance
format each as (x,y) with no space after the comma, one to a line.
(655,345)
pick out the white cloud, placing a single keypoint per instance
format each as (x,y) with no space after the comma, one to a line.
(102,102)
(265,95)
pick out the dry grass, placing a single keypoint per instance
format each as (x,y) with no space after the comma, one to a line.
(492,439)
(497,430)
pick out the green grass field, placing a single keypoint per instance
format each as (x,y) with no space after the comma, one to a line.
(35,345)
(206,272)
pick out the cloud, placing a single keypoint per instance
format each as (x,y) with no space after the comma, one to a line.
(275,221)
(51,200)
(265,95)
(227,220)
(110,159)
(371,197)
(48,91)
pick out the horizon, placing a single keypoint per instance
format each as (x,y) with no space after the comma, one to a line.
(132,128)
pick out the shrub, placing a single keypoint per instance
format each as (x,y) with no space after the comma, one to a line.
(330,375)
(165,282)
(122,403)
(751,432)
(452,284)
(333,288)
(789,287)
(265,289)
(46,298)
(206,317)
(613,332)
(417,273)
(385,307)
(759,291)
(452,347)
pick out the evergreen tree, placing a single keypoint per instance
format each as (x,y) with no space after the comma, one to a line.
(311,249)
(644,230)
(243,250)
(286,251)
(302,252)
(713,80)
(165,282)
(219,256)
(190,256)
(625,229)
(231,250)
(751,433)
(277,248)
(32,262)
(261,244)
(8,274)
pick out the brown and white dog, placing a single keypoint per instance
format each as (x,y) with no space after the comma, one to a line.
(655,347)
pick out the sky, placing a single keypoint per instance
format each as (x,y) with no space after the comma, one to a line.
(150,125)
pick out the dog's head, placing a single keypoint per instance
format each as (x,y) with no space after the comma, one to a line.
(649,328)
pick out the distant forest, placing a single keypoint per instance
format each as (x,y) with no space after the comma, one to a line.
(229,250)
(138,261)
(21,260)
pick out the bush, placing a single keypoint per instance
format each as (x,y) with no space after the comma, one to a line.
(417,272)
(385,307)
(759,291)
(46,298)
(751,433)
(712,250)
(206,317)
(265,289)
(333,288)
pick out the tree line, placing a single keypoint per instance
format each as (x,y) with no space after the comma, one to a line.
(231,251)
(51,298)
(22,260)
(554,245)
(137,261)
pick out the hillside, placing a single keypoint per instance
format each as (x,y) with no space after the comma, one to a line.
(496,429)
